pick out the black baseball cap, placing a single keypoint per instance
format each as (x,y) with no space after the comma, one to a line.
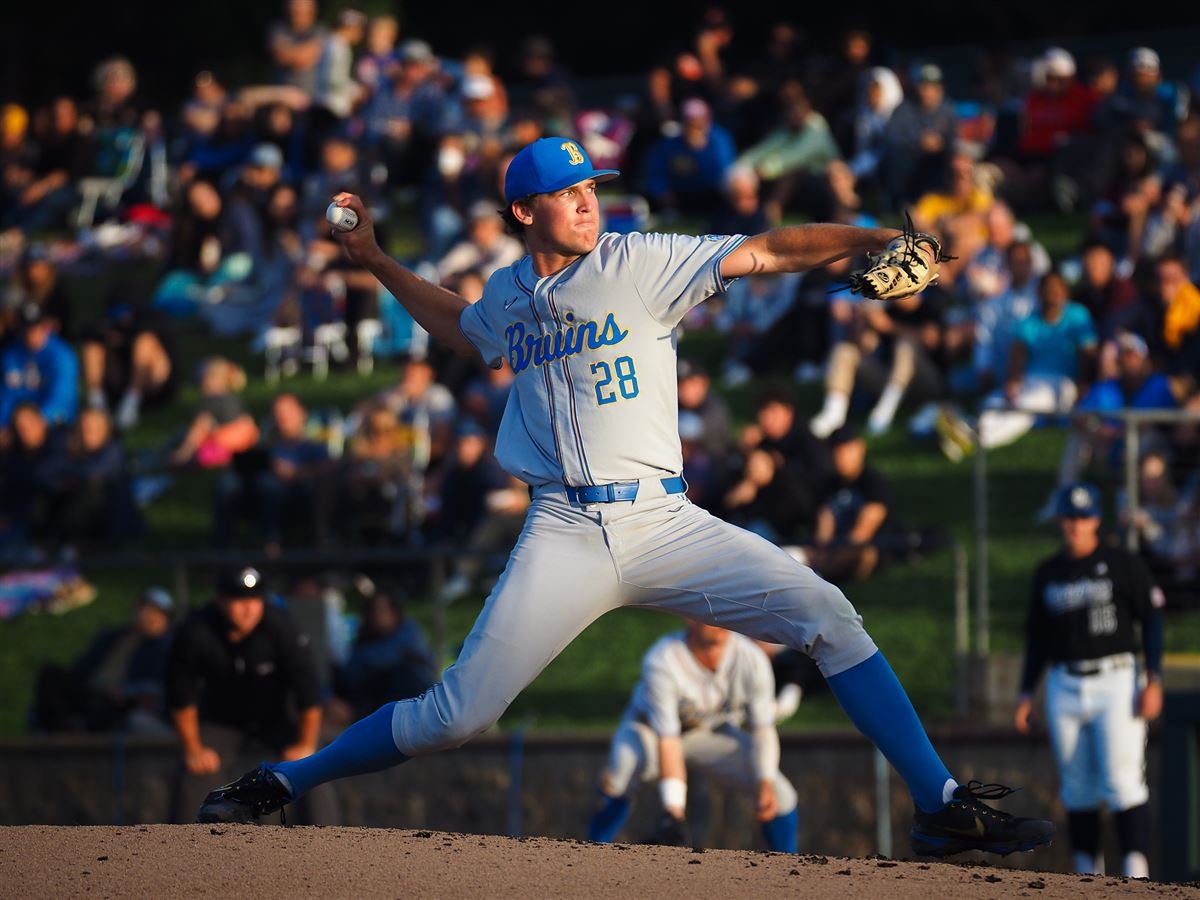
(1079,501)
(241,582)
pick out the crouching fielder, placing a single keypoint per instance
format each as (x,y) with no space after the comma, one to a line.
(697,689)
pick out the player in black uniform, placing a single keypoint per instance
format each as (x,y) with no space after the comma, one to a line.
(242,684)
(1086,600)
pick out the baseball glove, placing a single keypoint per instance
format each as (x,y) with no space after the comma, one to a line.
(669,832)
(907,266)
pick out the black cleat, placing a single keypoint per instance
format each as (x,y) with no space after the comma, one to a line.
(965,823)
(256,794)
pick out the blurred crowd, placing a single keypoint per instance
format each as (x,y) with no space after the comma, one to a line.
(224,196)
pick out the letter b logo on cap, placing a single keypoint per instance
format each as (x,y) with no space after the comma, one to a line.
(573,153)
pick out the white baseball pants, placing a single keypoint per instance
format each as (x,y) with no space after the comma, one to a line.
(572,564)
(1099,741)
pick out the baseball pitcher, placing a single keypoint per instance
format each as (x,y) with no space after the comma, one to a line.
(586,321)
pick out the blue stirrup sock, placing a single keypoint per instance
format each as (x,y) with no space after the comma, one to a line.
(366,746)
(781,832)
(609,819)
(876,703)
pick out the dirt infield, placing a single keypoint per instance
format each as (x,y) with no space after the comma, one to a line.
(191,860)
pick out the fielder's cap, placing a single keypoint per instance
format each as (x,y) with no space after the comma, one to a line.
(1144,59)
(691,426)
(243,582)
(550,164)
(1078,501)
(267,156)
(416,51)
(1128,340)
(156,596)
(929,73)
(1059,63)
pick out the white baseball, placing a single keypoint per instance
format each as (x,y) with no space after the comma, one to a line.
(343,218)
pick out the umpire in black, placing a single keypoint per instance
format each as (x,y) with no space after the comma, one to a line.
(242,686)
(1085,604)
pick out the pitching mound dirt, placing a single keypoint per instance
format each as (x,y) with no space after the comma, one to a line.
(232,861)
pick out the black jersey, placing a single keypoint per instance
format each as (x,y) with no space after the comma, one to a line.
(1085,608)
(255,685)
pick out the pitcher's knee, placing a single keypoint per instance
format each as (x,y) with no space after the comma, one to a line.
(439,720)
(837,640)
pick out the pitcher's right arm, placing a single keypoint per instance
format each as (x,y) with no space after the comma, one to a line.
(435,309)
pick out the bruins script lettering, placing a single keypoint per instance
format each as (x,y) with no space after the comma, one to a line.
(525,350)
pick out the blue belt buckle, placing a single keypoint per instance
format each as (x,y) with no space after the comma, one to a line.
(616,492)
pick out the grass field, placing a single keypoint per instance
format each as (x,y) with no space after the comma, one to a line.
(908,609)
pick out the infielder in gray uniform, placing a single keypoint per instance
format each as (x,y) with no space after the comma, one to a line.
(586,321)
(705,701)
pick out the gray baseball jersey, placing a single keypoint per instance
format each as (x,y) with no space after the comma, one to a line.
(678,697)
(676,693)
(595,394)
(594,402)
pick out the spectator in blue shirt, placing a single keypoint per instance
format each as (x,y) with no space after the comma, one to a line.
(390,658)
(1138,385)
(996,319)
(290,489)
(41,369)
(1050,360)
(685,173)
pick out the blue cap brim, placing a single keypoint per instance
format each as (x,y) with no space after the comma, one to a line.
(599,175)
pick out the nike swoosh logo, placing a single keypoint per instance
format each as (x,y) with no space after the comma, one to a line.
(508,304)
(977,831)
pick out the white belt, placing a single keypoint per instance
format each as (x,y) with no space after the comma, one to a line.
(1099,666)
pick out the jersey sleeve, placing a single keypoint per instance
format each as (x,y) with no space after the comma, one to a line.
(662,698)
(481,330)
(760,711)
(1036,626)
(674,272)
(1145,597)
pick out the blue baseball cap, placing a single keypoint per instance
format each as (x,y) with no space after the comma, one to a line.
(1079,501)
(550,164)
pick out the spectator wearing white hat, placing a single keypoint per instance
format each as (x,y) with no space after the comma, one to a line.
(1054,120)
(1055,110)
(1145,100)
